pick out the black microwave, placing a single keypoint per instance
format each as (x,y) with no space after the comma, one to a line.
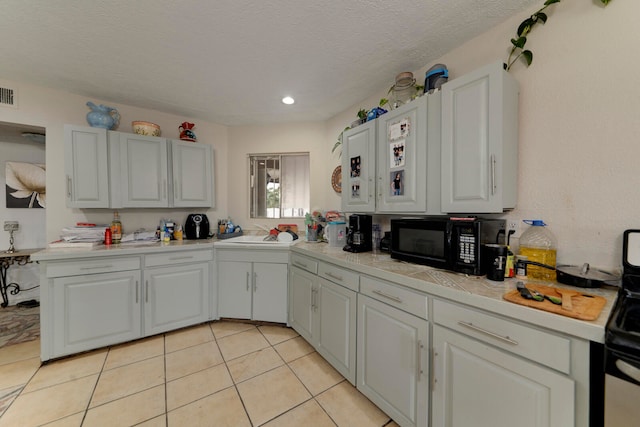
(454,244)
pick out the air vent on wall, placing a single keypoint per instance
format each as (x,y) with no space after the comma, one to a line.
(8,97)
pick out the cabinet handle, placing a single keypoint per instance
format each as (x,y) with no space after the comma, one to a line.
(176,258)
(146,291)
(175,189)
(247,281)
(419,348)
(300,264)
(371,186)
(68,186)
(96,267)
(484,331)
(334,276)
(493,174)
(314,297)
(137,290)
(255,282)
(391,297)
(164,190)
(433,370)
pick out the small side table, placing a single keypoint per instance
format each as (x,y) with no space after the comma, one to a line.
(21,257)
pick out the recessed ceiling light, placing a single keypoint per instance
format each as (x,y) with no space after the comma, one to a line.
(288,100)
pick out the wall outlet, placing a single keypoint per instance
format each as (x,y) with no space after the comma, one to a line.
(513,224)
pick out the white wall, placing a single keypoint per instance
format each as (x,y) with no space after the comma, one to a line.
(579,125)
(298,137)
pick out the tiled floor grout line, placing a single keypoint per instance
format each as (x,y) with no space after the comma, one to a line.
(166,383)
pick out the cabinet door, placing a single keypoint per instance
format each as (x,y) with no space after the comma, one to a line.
(479,141)
(479,385)
(234,289)
(143,171)
(336,340)
(86,167)
(359,168)
(192,168)
(393,361)
(95,311)
(270,292)
(402,158)
(302,302)
(175,297)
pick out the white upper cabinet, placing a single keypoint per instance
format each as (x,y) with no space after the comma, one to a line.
(86,167)
(359,168)
(480,142)
(409,157)
(143,171)
(192,166)
(392,164)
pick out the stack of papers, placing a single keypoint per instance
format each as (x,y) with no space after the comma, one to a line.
(93,233)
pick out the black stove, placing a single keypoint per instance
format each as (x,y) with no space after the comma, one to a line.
(623,326)
(622,342)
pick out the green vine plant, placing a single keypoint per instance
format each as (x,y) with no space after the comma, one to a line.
(362,115)
(517,49)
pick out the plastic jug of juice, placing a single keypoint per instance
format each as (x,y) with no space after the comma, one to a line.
(539,245)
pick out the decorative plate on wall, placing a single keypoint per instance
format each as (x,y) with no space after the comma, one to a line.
(336,179)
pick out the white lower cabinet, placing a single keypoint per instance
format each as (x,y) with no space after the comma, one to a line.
(477,383)
(175,297)
(252,284)
(392,361)
(94,310)
(93,302)
(324,313)
(302,301)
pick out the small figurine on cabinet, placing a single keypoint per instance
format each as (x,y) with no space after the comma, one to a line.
(186,134)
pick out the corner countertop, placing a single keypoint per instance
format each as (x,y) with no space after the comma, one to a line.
(478,292)
(133,248)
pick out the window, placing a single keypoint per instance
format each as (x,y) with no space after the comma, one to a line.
(279,185)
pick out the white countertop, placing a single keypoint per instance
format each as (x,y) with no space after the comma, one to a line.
(475,291)
(137,248)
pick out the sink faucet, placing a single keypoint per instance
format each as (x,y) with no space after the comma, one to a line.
(269,237)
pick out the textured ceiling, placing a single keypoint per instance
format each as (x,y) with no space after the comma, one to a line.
(231,61)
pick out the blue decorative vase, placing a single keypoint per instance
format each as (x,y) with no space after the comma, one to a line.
(102,116)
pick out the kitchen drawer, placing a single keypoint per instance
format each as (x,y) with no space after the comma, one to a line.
(347,278)
(539,346)
(247,255)
(178,257)
(91,266)
(304,263)
(395,295)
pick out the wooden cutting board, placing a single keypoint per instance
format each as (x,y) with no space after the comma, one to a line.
(583,305)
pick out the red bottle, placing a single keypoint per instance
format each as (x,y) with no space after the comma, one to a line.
(107,236)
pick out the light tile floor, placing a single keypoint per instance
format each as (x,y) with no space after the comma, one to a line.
(215,374)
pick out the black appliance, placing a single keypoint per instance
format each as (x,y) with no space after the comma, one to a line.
(385,242)
(359,233)
(196,227)
(454,244)
(622,342)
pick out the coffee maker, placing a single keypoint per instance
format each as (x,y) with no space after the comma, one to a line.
(359,234)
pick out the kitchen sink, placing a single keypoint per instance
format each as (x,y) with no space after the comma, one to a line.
(254,241)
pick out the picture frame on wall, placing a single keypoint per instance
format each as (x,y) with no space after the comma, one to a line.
(25,185)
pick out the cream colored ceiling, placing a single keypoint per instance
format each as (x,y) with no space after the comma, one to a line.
(231,61)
